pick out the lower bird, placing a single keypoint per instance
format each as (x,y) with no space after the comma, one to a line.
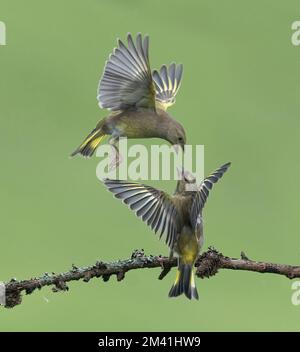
(178,217)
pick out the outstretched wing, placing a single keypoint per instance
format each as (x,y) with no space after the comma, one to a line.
(127,80)
(201,195)
(167,82)
(153,206)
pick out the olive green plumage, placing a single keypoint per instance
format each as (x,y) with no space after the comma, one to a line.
(137,98)
(177,217)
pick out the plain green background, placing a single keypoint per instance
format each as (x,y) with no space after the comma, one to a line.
(239,97)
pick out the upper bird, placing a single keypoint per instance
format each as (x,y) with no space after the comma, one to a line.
(178,217)
(137,98)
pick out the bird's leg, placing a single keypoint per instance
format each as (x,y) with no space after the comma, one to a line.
(115,158)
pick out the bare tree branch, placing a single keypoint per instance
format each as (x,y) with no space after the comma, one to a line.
(207,265)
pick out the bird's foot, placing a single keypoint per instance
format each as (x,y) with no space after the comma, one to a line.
(115,160)
(165,266)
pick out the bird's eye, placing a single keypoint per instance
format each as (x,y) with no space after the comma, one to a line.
(180,139)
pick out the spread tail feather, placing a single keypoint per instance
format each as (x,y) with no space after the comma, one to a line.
(184,282)
(91,142)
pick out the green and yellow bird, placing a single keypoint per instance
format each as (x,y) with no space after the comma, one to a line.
(137,98)
(178,217)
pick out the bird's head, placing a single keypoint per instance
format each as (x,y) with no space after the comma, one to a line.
(186,181)
(176,134)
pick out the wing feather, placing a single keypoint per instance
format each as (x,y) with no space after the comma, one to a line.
(153,206)
(167,82)
(202,194)
(127,80)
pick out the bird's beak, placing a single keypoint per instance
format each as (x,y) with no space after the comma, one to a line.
(176,147)
(180,172)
